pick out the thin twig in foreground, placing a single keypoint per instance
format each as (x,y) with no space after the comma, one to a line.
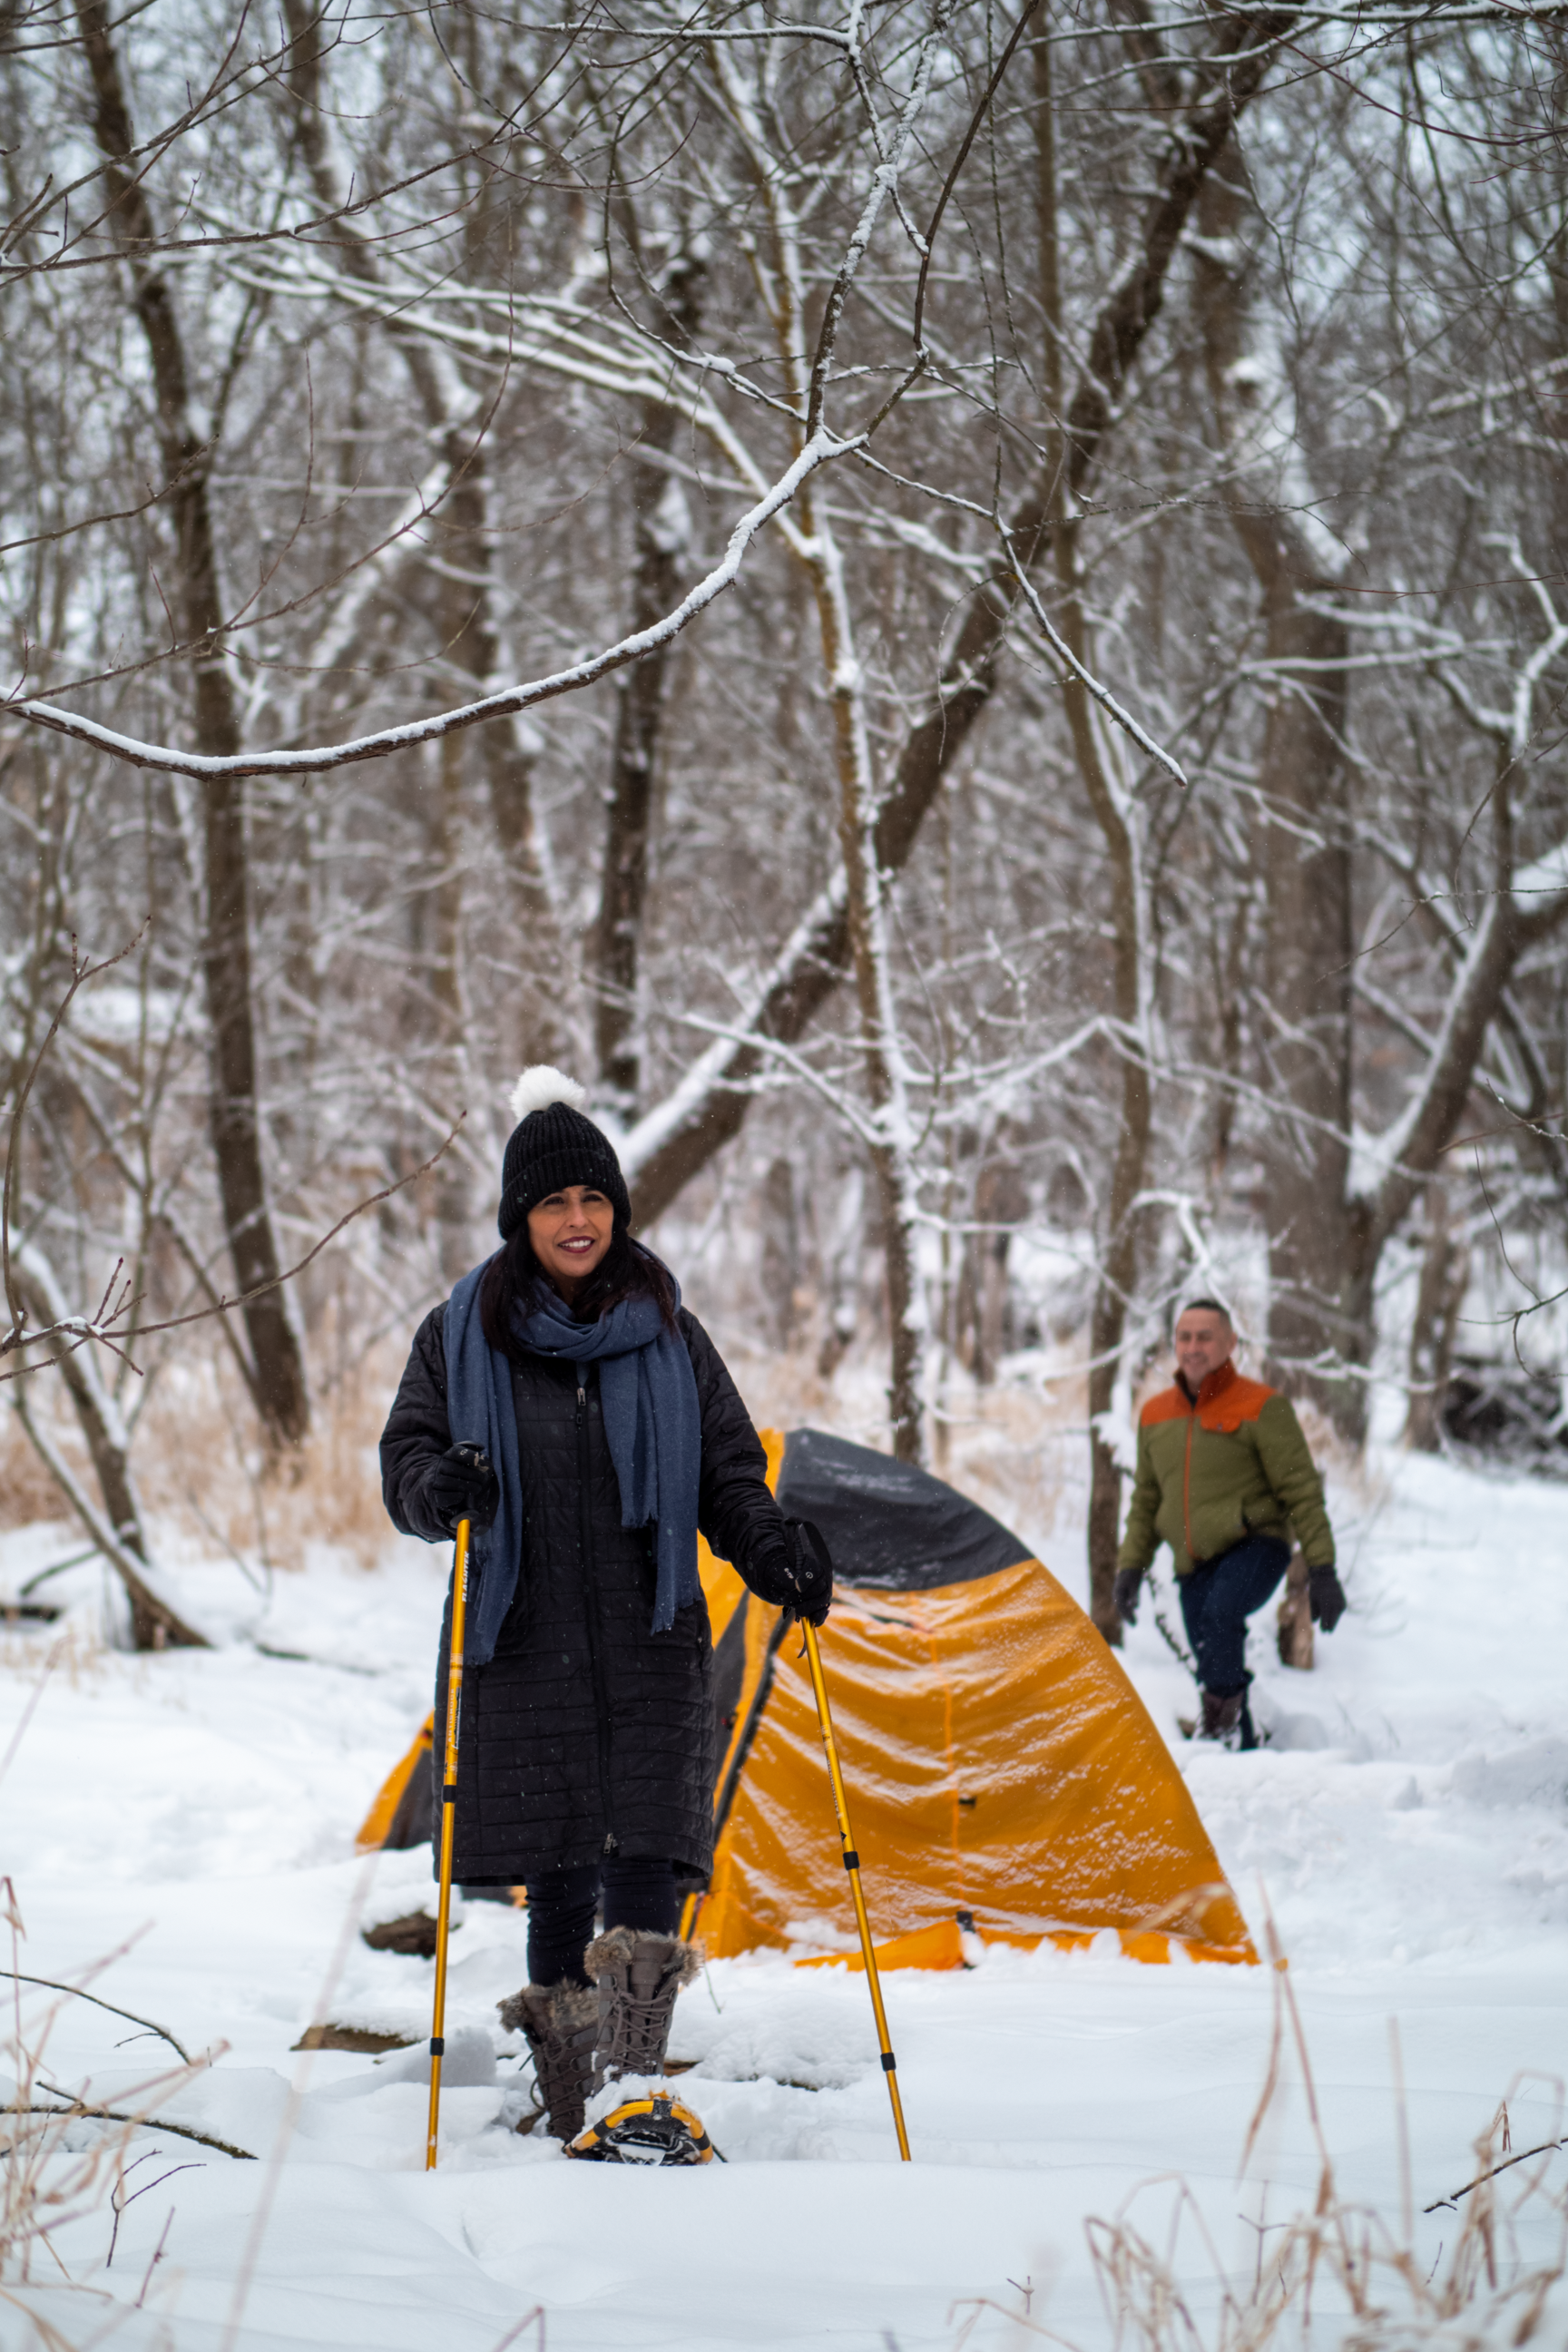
(1448,2204)
(142,2123)
(128,2014)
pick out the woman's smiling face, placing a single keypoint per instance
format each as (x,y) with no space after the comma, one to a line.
(570,1230)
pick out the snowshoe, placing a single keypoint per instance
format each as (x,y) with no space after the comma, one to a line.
(656,2128)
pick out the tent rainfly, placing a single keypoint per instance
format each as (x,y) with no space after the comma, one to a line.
(1004,1778)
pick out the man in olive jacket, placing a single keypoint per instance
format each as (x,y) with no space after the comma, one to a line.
(1223,1476)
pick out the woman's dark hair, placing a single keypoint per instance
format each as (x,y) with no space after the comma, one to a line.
(514,1277)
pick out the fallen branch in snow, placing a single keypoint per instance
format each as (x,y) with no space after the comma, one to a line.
(1449,2204)
(128,2014)
(142,2123)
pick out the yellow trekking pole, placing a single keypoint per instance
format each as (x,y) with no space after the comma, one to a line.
(852,1865)
(449,1825)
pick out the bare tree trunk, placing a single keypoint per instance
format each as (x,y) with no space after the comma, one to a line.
(881,1053)
(118,1530)
(1318,1301)
(780,1252)
(885,1120)
(1444,1275)
(1128,913)
(1000,1203)
(465,599)
(453,1188)
(673,1143)
(662,535)
(1293,1618)
(280,1390)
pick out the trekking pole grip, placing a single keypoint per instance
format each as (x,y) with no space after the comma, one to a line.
(448,1826)
(852,1867)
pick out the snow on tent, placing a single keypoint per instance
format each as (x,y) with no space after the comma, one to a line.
(1004,1776)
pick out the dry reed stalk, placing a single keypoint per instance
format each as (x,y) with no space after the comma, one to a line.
(46,2182)
(1373,2291)
(198,1460)
(27,1493)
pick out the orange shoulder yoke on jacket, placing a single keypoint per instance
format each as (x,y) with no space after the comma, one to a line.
(1225,1401)
(1237,1401)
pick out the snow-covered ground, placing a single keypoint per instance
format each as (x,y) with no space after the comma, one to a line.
(189,1817)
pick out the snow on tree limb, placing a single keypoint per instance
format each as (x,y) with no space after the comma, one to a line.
(316,760)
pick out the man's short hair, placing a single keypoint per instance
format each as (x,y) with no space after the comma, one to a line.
(1207,1307)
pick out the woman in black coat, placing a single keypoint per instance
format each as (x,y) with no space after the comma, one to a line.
(566,1403)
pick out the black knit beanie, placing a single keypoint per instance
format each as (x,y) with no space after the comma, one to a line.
(553,1145)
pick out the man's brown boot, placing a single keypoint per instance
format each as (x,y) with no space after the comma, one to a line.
(638,1975)
(560,2023)
(1222,1719)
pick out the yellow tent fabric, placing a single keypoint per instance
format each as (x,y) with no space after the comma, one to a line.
(1002,1775)
(378,1826)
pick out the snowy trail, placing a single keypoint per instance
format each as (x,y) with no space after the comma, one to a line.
(1409,1824)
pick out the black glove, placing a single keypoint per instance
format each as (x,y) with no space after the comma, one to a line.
(462,1485)
(797,1575)
(1326,1597)
(1129,1582)
(812,1573)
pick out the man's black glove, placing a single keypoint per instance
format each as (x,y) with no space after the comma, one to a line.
(1129,1582)
(797,1575)
(1326,1597)
(462,1485)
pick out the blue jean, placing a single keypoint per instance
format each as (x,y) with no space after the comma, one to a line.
(1218,1598)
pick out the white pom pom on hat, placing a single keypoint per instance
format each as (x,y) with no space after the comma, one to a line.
(554,1144)
(542,1085)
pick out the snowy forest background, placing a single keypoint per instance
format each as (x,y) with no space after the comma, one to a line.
(1088,819)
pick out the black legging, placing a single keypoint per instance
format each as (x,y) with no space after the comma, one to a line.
(561,1904)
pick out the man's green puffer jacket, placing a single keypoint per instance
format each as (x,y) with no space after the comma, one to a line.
(1210,1472)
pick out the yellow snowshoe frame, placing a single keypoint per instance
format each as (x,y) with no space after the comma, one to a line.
(659,2129)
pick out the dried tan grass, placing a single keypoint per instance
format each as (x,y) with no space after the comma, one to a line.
(27,1493)
(1340,2272)
(49,2176)
(197,1458)
(76,1653)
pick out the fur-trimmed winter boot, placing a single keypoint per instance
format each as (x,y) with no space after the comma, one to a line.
(639,1974)
(560,2023)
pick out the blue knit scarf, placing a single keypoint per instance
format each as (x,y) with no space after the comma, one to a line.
(653,1425)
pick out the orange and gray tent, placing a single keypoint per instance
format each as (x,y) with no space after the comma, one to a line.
(1005,1779)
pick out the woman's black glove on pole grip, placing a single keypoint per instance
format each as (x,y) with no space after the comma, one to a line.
(811,1574)
(795,1576)
(462,1485)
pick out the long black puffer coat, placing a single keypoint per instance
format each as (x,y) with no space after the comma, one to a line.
(586,1733)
